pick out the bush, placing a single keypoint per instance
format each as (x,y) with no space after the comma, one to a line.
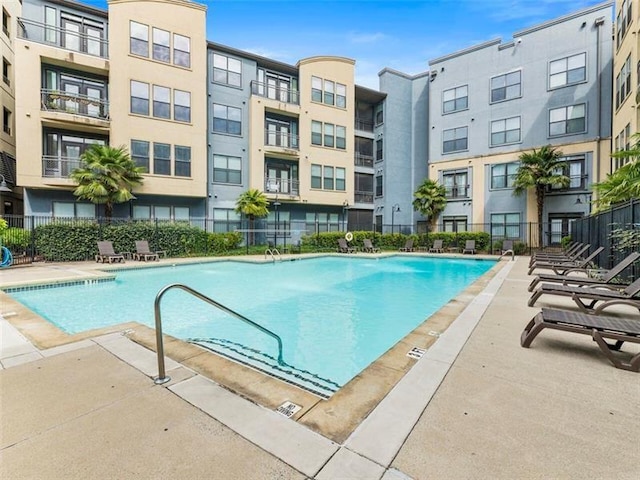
(221,243)
(16,239)
(565,241)
(451,239)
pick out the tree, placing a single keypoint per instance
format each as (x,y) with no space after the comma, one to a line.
(106,175)
(430,200)
(540,169)
(624,183)
(253,204)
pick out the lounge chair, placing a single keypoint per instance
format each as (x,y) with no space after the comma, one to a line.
(567,279)
(595,294)
(559,268)
(437,246)
(507,249)
(408,246)
(143,252)
(107,254)
(570,250)
(575,255)
(343,247)
(368,246)
(469,247)
(599,327)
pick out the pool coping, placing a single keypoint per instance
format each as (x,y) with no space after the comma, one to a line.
(336,418)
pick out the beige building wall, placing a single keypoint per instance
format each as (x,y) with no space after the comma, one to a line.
(178,17)
(7,90)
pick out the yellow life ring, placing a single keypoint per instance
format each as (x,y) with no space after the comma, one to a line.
(348,236)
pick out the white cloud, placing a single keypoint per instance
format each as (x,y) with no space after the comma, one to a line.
(355,37)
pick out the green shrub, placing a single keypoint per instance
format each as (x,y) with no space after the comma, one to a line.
(565,241)
(221,243)
(16,239)
(451,239)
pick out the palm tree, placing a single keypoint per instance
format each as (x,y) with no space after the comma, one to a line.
(624,183)
(106,176)
(253,204)
(430,200)
(540,169)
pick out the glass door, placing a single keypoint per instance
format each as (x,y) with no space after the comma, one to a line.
(71,34)
(94,40)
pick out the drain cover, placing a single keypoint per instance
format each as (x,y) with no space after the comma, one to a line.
(288,409)
(416,352)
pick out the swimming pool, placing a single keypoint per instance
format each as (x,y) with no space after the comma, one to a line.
(335,315)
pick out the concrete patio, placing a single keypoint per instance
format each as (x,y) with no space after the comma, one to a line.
(477,405)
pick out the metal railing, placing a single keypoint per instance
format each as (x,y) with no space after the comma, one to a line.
(285,187)
(286,95)
(60,37)
(363,197)
(76,103)
(363,125)
(363,160)
(281,139)
(162,377)
(58,167)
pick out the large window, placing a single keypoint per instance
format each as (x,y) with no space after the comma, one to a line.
(316,176)
(379,150)
(182,156)
(181,106)
(6,120)
(455,223)
(161,158)
(227,169)
(161,45)
(74,210)
(623,21)
(181,50)
(328,135)
(5,71)
(505,131)
(138,39)
(379,183)
(454,140)
(341,137)
(575,170)
(140,153)
(161,212)
(455,183)
(5,22)
(328,178)
(328,92)
(341,174)
(227,119)
(568,70)
(506,87)
(622,142)
(328,183)
(503,175)
(363,188)
(341,95)
(139,98)
(567,120)
(161,102)
(455,99)
(227,70)
(225,220)
(505,225)
(623,82)
(316,133)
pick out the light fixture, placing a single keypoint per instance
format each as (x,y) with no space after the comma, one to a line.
(4,188)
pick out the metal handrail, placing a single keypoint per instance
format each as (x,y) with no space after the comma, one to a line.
(273,252)
(162,377)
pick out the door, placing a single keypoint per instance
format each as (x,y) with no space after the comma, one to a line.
(71,35)
(560,226)
(94,40)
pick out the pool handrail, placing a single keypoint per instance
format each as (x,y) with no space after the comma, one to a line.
(162,377)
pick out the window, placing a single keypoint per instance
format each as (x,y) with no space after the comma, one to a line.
(225,220)
(316,176)
(161,158)
(5,71)
(140,153)
(316,133)
(568,70)
(227,119)
(181,213)
(506,87)
(329,135)
(227,169)
(567,120)
(74,210)
(227,70)
(5,22)
(316,89)
(139,98)
(379,182)
(6,120)
(379,150)
(454,140)
(363,188)
(455,99)
(329,92)
(50,20)
(454,224)
(341,137)
(328,183)
(161,45)
(505,131)
(505,225)
(182,157)
(623,82)
(341,179)
(575,171)
(161,102)
(181,50)
(181,106)
(380,117)
(341,95)
(503,175)
(138,39)
(623,21)
(455,183)
(622,142)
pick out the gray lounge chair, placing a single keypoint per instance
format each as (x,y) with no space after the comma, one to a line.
(408,246)
(559,268)
(143,252)
(567,279)
(595,294)
(343,247)
(569,257)
(469,247)
(437,246)
(569,251)
(507,249)
(368,246)
(599,327)
(107,254)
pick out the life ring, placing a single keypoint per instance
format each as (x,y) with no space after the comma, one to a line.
(348,236)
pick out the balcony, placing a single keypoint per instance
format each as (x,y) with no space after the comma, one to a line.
(58,167)
(75,103)
(363,125)
(63,38)
(363,160)
(363,197)
(283,187)
(280,94)
(281,139)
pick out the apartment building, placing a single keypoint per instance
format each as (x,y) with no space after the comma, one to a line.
(552,84)
(134,76)
(10,192)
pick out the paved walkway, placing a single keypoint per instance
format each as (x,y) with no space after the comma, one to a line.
(495,410)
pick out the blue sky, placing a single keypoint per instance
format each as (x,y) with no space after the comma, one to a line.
(399,34)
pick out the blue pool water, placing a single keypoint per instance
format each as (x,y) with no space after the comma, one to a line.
(335,315)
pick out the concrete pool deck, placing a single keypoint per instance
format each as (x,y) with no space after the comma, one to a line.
(493,410)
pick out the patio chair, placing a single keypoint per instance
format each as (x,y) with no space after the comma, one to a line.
(567,279)
(559,268)
(143,252)
(595,294)
(107,254)
(469,247)
(599,327)
(408,246)
(507,249)
(368,246)
(561,257)
(343,247)
(437,246)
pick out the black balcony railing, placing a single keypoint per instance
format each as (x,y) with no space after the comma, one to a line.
(58,167)
(363,125)
(363,160)
(60,37)
(78,104)
(280,94)
(284,187)
(281,139)
(363,197)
